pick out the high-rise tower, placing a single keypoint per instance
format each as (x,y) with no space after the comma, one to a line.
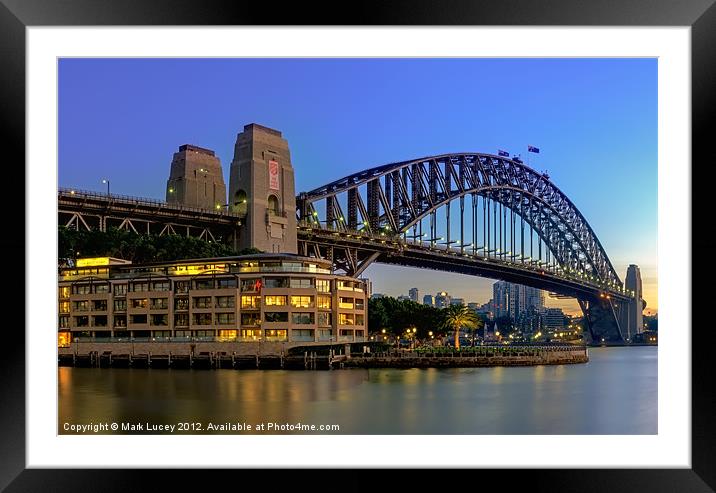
(261,186)
(196,179)
(636,306)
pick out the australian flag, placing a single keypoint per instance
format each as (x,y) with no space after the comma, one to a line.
(532,149)
(500,152)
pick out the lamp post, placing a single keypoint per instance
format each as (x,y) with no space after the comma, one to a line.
(105,180)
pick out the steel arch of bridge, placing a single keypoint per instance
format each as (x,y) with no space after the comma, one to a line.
(396,197)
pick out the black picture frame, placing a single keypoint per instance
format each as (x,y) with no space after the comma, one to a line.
(700,15)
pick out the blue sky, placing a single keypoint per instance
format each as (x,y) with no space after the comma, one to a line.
(594,120)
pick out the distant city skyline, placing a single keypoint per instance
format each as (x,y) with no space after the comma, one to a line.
(594,121)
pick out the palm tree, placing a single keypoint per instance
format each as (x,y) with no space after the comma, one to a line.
(457,316)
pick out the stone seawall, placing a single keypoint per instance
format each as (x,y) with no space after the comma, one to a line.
(457,360)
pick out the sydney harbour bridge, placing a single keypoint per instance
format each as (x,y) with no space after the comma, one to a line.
(469,213)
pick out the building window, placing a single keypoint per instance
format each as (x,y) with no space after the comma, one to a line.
(204,284)
(181,287)
(140,286)
(181,320)
(250,333)
(250,301)
(82,321)
(203,333)
(302,301)
(81,289)
(139,303)
(64,322)
(227,334)
(120,305)
(250,285)
(345,319)
(345,303)
(202,319)
(139,319)
(301,282)
(64,292)
(276,334)
(325,334)
(80,306)
(63,339)
(182,333)
(119,289)
(64,307)
(302,334)
(324,302)
(275,300)
(301,318)
(323,285)
(162,333)
(225,318)
(202,302)
(360,320)
(226,283)
(273,205)
(120,320)
(346,332)
(160,286)
(276,282)
(99,321)
(101,288)
(181,304)
(250,319)
(99,305)
(345,285)
(324,319)
(160,319)
(360,304)
(276,317)
(225,302)
(159,304)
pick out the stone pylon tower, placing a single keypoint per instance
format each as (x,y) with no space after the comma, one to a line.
(261,187)
(196,179)
(636,306)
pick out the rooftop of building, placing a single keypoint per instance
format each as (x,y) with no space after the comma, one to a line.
(256,126)
(201,150)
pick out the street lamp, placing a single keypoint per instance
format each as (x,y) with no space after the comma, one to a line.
(105,180)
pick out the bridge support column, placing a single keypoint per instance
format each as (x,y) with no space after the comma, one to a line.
(603,320)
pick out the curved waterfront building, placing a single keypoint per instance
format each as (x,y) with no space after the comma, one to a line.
(269,297)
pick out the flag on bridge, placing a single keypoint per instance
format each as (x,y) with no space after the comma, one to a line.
(532,149)
(500,152)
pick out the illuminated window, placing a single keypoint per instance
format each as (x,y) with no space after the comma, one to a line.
(324,302)
(275,300)
(301,282)
(276,335)
(345,303)
(250,285)
(345,319)
(323,285)
(248,301)
(302,301)
(250,333)
(276,317)
(225,318)
(346,285)
(324,319)
(202,302)
(225,302)
(65,292)
(63,339)
(227,334)
(302,318)
(139,303)
(202,319)
(64,307)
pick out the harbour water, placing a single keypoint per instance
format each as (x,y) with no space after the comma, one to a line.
(615,393)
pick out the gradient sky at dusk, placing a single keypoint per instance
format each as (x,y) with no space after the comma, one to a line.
(594,120)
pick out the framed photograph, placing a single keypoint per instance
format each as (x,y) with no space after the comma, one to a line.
(433,229)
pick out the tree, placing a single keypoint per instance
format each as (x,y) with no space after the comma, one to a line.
(456,317)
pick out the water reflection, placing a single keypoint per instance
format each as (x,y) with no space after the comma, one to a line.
(596,398)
